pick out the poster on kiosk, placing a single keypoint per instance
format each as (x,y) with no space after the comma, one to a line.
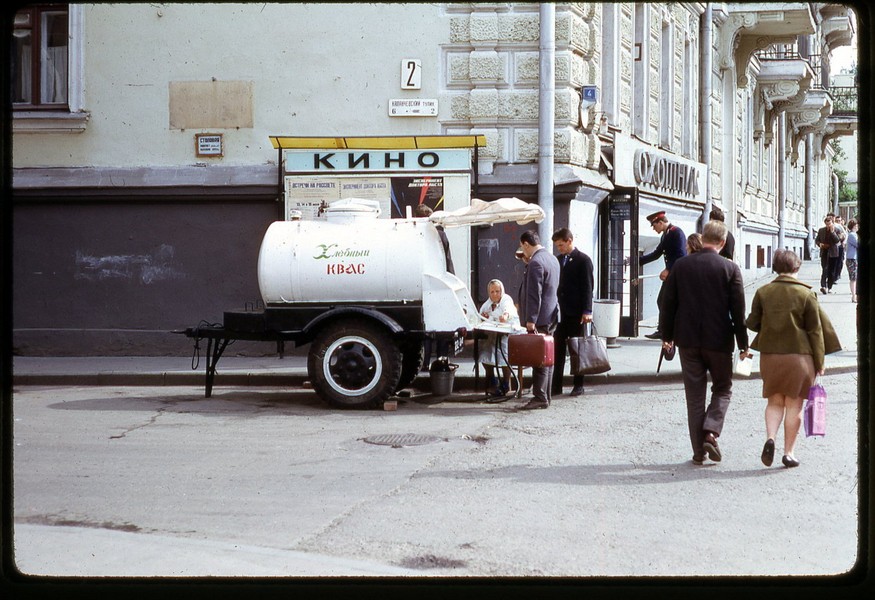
(399,173)
(395,171)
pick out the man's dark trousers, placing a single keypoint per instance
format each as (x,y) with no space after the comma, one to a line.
(566,329)
(827,270)
(696,363)
(543,376)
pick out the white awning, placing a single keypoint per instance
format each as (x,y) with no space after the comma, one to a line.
(481,212)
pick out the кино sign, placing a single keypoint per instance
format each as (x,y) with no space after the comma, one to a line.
(377,160)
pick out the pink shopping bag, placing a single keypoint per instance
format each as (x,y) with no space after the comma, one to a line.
(814,413)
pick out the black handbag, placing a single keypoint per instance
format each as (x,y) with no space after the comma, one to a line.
(589,354)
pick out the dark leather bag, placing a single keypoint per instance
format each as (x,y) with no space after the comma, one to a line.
(530,350)
(589,355)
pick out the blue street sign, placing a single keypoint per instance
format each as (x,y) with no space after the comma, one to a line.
(590,93)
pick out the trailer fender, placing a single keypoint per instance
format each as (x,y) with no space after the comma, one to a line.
(351,311)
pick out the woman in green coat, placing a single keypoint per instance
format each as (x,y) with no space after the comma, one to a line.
(793,335)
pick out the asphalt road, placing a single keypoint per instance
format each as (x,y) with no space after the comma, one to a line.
(160,481)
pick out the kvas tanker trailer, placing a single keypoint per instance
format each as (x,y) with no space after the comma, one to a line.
(364,292)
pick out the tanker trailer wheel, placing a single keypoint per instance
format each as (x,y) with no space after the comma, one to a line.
(354,364)
(412,355)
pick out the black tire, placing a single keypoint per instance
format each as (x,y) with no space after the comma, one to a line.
(412,355)
(354,364)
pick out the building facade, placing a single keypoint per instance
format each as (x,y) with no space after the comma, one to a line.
(144,174)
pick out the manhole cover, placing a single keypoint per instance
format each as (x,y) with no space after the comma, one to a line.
(402,439)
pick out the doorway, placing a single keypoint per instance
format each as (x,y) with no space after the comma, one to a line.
(619,266)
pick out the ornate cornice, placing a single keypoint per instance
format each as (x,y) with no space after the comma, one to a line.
(808,116)
(836,25)
(780,84)
(752,27)
(835,127)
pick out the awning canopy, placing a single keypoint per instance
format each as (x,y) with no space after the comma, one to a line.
(408,142)
(481,212)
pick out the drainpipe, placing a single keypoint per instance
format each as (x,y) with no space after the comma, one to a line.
(546,117)
(705,58)
(835,193)
(809,195)
(782,176)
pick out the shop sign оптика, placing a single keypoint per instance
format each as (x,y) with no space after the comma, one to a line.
(656,171)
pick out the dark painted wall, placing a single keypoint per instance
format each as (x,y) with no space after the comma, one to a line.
(116,277)
(113,278)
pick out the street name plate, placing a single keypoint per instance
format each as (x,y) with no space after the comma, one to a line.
(413,107)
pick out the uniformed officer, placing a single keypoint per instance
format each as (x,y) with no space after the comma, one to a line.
(672,246)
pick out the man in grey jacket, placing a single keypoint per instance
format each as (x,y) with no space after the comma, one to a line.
(539,308)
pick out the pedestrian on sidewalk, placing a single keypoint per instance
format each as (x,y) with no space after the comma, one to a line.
(672,246)
(728,250)
(575,304)
(827,240)
(793,335)
(852,244)
(703,310)
(539,308)
(843,236)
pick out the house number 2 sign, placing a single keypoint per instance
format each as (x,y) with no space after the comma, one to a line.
(411,74)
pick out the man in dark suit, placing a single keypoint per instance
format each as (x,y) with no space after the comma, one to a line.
(728,250)
(672,245)
(575,303)
(539,307)
(703,310)
(828,241)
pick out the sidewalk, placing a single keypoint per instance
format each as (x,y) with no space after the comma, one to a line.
(635,359)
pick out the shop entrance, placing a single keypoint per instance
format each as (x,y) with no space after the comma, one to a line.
(619,266)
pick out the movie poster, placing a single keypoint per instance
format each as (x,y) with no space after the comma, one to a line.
(413,191)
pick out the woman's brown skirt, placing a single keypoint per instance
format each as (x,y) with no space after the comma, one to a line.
(788,374)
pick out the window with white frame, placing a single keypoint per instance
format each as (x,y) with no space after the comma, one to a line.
(40,58)
(640,71)
(687,122)
(666,85)
(748,176)
(611,62)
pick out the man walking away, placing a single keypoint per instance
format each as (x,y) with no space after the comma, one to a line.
(539,308)
(672,245)
(703,309)
(728,250)
(575,303)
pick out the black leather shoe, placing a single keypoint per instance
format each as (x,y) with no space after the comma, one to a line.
(656,335)
(789,461)
(534,405)
(576,391)
(768,452)
(497,399)
(711,448)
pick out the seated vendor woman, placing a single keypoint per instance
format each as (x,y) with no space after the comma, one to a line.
(493,350)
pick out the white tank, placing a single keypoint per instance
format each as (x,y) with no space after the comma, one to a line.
(351,256)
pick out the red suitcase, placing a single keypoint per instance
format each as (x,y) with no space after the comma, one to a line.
(530,350)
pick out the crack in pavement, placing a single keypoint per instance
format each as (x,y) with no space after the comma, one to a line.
(151,421)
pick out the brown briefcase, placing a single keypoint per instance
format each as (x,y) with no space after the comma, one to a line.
(530,350)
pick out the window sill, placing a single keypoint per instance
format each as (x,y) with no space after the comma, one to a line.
(49,122)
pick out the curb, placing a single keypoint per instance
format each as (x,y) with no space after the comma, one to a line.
(421,384)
